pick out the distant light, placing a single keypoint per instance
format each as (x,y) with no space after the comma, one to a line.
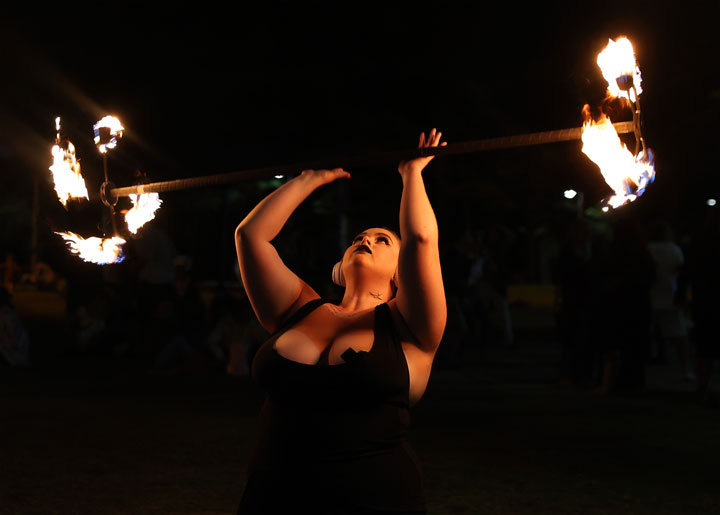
(570,193)
(279,176)
(605,209)
(711,202)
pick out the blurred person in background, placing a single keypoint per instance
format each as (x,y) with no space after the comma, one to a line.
(621,314)
(571,275)
(668,312)
(14,341)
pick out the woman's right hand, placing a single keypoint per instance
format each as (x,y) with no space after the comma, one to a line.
(325,176)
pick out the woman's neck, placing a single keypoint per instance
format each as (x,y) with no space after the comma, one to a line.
(362,297)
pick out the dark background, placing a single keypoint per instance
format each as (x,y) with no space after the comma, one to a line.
(97,428)
(204,90)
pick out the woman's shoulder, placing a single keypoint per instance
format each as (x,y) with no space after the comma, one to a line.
(305,303)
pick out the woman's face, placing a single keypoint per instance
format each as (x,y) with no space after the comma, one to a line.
(374,250)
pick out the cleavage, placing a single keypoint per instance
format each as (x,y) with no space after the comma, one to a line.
(305,342)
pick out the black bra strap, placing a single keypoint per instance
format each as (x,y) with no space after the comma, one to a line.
(301,313)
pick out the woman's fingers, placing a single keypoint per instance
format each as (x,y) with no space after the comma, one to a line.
(335,173)
(326,175)
(433,139)
(340,173)
(436,139)
(418,163)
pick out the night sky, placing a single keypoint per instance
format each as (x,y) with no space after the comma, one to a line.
(209,91)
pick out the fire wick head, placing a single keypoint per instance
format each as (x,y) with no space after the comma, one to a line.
(107,131)
(625,82)
(103,138)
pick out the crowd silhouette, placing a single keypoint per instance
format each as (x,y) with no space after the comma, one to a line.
(633,297)
(628,295)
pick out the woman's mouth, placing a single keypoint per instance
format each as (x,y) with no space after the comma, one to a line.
(363,248)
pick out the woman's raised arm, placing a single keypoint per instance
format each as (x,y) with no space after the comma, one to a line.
(273,289)
(421,295)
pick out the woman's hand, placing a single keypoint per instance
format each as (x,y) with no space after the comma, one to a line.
(419,163)
(325,176)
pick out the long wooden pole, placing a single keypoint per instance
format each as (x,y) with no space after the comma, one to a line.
(521,140)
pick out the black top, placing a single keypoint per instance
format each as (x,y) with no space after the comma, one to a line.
(333,438)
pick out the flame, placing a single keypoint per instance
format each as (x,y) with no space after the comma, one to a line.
(143,210)
(108,139)
(101,251)
(626,174)
(65,169)
(617,63)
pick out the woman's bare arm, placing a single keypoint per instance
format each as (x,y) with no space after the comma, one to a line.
(421,295)
(273,289)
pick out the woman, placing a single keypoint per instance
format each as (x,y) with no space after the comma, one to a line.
(340,379)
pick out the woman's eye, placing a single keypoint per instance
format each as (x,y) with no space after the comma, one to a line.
(384,240)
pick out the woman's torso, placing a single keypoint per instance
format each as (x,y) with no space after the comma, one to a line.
(337,408)
(325,334)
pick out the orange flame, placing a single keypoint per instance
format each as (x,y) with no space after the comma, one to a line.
(69,182)
(627,175)
(143,210)
(101,251)
(617,62)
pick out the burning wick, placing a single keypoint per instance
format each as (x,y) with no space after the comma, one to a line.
(101,251)
(143,210)
(69,182)
(620,69)
(627,174)
(107,132)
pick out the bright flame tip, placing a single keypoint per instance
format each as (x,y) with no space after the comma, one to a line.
(143,210)
(101,251)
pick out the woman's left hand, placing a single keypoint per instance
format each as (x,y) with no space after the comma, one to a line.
(419,163)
